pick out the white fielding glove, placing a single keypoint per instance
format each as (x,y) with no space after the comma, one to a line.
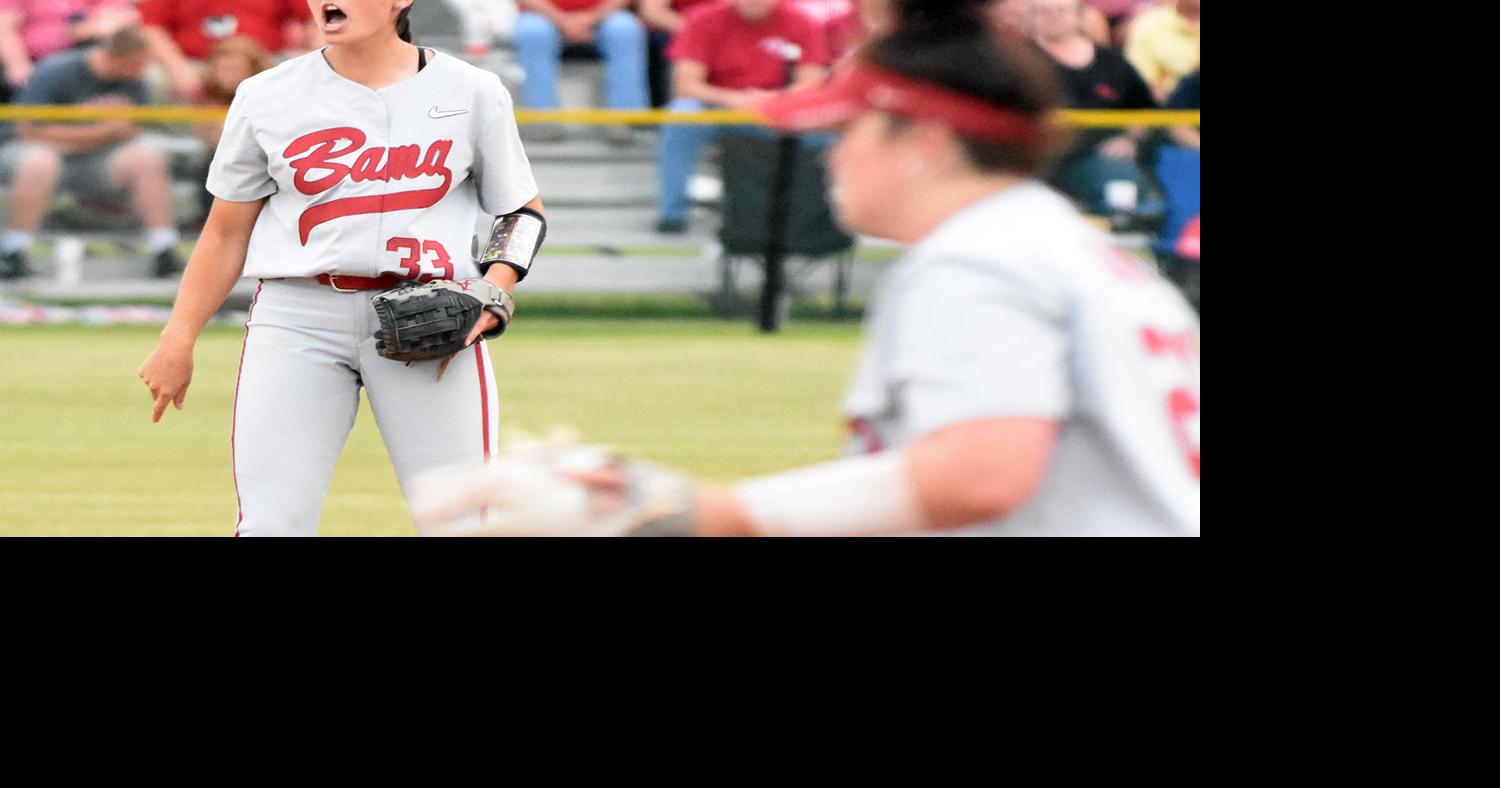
(552,489)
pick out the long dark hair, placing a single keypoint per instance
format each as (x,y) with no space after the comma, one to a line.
(403,23)
(947,43)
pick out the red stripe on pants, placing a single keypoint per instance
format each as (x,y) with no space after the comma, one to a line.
(235,411)
(484,410)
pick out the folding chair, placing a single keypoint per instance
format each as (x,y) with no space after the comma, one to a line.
(749,171)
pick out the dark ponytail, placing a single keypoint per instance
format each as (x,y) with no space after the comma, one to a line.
(947,43)
(403,24)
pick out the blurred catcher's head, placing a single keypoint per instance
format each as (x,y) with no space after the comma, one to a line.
(938,98)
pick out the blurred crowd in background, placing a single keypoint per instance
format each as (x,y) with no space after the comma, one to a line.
(678,54)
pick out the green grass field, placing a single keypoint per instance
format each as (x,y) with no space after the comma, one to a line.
(79,455)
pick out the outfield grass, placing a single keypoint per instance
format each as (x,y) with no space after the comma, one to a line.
(79,455)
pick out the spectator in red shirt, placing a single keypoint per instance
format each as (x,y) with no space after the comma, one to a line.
(840,22)
(184,32)
(31,30)
(545,26)
(663,18)
(734,55)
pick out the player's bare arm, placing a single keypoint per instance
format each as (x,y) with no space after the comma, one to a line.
(967,473)
(505,278)
(216,264)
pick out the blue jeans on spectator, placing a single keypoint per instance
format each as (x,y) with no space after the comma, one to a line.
(620,38)
(680,145)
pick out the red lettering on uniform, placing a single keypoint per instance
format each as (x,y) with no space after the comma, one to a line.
(323,152)
(1183,409)
(1183,406)
(1178,344)
(402,162)
(324,149)
(367,166)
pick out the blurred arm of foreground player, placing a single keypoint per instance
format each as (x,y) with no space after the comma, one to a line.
(216,264)
(966,474)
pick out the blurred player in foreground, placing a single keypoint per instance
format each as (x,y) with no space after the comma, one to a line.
(1022,377)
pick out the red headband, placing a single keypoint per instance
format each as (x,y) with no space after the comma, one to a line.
(864,87)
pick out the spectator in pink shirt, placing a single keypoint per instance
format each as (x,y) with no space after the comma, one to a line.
(31,30)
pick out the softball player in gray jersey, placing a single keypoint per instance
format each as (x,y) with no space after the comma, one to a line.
(1022,376)
(342,173)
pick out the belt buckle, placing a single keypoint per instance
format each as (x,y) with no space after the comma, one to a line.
(333,282)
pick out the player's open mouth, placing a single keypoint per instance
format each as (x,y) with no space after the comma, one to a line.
(333,18)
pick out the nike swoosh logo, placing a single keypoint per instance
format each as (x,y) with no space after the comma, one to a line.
(437,114)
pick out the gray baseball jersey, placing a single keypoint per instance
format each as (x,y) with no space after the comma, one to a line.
(1019,308)
(364,182)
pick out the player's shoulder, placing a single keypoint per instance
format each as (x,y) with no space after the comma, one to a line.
(1023,222)
(1028,239)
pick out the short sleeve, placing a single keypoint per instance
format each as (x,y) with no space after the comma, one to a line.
(974,343)
(240,171)
(502,173)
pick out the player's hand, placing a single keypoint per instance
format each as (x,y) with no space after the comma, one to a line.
(167,372)
(487,322)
